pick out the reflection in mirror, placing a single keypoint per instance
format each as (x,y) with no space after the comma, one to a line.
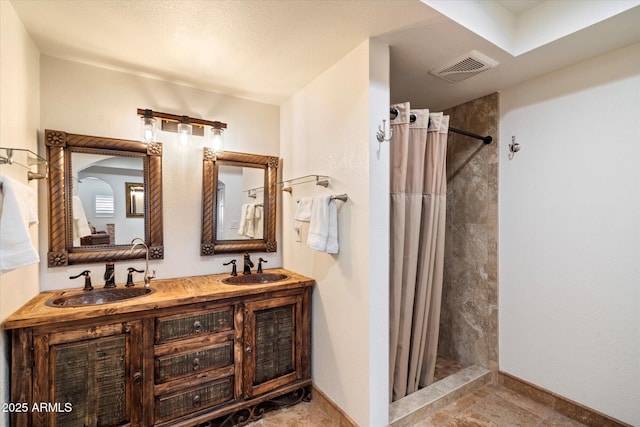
(134,194)
(91,199)
(238,203)
(99,214)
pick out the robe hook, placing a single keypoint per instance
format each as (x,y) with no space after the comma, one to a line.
(514,147)
(381,134)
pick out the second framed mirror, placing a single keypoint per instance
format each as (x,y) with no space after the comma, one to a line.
(238,203)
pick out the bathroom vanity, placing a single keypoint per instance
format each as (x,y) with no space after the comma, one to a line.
(196,351)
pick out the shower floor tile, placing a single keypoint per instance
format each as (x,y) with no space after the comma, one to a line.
(445,367)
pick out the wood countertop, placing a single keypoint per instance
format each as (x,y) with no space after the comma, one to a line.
(167,293)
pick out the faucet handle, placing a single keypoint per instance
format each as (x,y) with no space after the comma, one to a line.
(87,279)
(260,261)
(234,270)
(130,271)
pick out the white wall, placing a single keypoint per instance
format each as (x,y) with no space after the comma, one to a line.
(570,233)
(19,118)
(83,99)
(328,128)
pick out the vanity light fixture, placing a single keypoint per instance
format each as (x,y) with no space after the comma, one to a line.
(147,127)
(185,126)
(216,138)
(184,132)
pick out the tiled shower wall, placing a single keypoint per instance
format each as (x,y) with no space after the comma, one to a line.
(469,319)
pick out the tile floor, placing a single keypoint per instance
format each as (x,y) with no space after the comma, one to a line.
(445,367)
(489,406)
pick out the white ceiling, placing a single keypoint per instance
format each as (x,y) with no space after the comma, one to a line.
(518,7)
(266,50)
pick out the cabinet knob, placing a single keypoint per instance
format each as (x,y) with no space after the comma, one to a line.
(137,377)
(197,326)
(248,350)
(196,401)
(196,364)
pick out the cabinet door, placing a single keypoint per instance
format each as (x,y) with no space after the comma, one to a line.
(272,344)
(89,377)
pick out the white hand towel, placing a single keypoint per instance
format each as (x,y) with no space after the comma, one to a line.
(332,238)
(303,211)
(242,228)
(323,229)
(303,214)
(80,224)
(258,222)
(17,209)
(250,220)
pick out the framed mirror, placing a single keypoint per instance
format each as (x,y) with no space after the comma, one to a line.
(103,192)
(238,203)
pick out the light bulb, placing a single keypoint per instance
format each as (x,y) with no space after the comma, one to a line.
(147,129)
(184,134)
(216,140)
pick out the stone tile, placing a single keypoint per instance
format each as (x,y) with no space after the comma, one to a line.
(504,413)
(302,414)
(463,403)
(527,390)
(445,367)
(524,402)
(471,418)
(583,415)
(437,419)
(559,420)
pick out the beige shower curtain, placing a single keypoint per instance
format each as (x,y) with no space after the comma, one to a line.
(418,202)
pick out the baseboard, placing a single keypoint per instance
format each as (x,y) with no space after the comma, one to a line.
(332,410)
(566,407)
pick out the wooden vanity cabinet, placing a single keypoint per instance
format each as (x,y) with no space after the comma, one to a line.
(183,365)
(194,363)
(272,344)
(84,376)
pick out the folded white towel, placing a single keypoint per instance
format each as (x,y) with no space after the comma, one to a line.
(80,224)
(303,214)
(303,211)
(17,213)
(323,228)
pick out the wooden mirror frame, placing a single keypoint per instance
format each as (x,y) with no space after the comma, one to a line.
(210,244)
(61,249)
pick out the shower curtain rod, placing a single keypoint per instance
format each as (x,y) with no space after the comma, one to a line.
(412,118)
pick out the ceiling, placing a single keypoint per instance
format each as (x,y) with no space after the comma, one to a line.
(267,50)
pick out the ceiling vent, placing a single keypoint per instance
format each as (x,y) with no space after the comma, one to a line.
(464,67)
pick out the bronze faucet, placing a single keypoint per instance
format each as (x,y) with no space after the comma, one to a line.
(260,261)
(87,280)
(110,275)
(234,271)
(247,264)
(130,271)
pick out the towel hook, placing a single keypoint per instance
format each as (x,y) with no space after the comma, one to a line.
(381,134)
(514,147)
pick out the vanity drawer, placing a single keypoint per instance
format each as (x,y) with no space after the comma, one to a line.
(184,402)
(180,326)
(179,365)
